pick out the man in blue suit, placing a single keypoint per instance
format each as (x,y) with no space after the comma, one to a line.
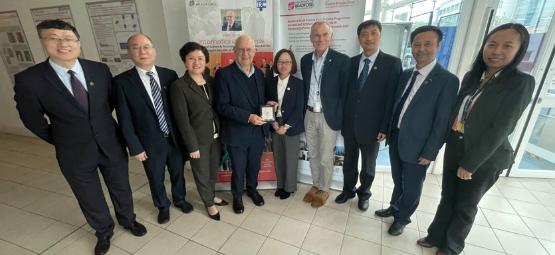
(325,75)
(239,95)
(424,100)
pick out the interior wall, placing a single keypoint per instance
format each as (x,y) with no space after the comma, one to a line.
(163,20)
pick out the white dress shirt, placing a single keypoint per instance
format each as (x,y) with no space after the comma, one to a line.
(281,86)
(423,74)
(314,93)
(146,80)
(63,74)
(372,59)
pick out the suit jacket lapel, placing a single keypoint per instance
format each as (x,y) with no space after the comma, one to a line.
(53,78)
(429,79)
(135,80)
(196,88)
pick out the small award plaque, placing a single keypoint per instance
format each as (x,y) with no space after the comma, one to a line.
(267,113)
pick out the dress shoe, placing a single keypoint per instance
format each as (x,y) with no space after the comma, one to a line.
(257,199)
(137,229)
(320,198)
(238,207)
(424,243)
(385,212)
(396,229)
(185,206)
(102,246)
(221,203)
(285,195)
(213,216)
(309,196)
(279,192)
(363,204)
(343,197)
(164,215)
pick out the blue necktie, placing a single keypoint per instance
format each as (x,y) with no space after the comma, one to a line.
(79,92)
(363,74)
(158,103)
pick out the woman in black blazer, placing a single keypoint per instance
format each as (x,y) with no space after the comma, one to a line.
(493,96)
(288,91)
(192,99)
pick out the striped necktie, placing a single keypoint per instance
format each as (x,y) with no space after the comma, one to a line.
(158,103)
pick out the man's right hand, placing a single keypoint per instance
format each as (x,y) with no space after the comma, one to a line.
(141,156)
(256,120)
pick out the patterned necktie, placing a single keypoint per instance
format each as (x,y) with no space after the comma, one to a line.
(79,92)
(363,74)
(158,103)
(401,104)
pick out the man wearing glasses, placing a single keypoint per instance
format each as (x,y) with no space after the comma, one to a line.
(76,97)
(146,123)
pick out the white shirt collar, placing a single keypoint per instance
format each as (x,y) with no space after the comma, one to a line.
(371,57)
(322,57)
(424,71)
(143,71)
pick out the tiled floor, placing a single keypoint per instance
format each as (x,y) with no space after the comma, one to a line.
(39,215)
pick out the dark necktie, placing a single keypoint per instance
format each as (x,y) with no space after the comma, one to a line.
(79,92)
(363,74)
(401,104)
(158,103)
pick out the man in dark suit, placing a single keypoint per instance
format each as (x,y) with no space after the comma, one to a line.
(324,74)
(419,124)
(230,24)
(76,96)
(147,126)
(373,80)
(239,95)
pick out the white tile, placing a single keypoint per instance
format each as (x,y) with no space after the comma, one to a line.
(196,249)
(391,251)
(243,242)
(549,246)
(331,219)
(188,224)
(532,210)
(131,243)
(274,247)
(229,216)
(496,203)
(476,250)
(260,221)
(405,242)
(164,243)
(483,237)
(50,206)
(507,222)
(353,245)
(538,185)
(214,234)
(520,244)
(521,194)
(374,205)
(541,229)
(364,228)
(323,241)
(8,248)
(274,204)
(547,199)
(290,231)
(300,211)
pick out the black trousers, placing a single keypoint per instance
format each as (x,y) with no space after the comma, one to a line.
(245,161)
(83,178)
(459,199)
(408,179)
(369,154)
(155,167)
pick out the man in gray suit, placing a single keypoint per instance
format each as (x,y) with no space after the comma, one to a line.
(425,97)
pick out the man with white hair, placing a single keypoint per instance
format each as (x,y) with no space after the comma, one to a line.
(325,73)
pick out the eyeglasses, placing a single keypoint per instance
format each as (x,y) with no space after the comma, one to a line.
(245,50)
(284,62)
(60,40)
(144,47)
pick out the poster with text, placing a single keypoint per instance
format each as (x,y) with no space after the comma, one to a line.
(14,47)
(62,12)
(216,24)
(296,19)
(112,23)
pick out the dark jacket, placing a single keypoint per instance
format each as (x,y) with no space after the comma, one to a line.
(292,107)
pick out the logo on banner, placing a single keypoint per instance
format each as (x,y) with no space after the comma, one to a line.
(300,4)
(260,4)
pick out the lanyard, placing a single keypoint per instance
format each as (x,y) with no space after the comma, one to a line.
(318,78)
(470,101)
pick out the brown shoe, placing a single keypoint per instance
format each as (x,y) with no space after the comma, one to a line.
(320,198)
(309,196)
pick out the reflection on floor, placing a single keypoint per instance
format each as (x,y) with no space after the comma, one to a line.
(38,215)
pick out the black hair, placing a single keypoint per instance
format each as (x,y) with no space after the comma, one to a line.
(56,24)
(293,60)
(423,29)
(368,23)
(479,66)
(192,46)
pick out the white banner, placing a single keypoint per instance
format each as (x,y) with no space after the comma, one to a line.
(296,18)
